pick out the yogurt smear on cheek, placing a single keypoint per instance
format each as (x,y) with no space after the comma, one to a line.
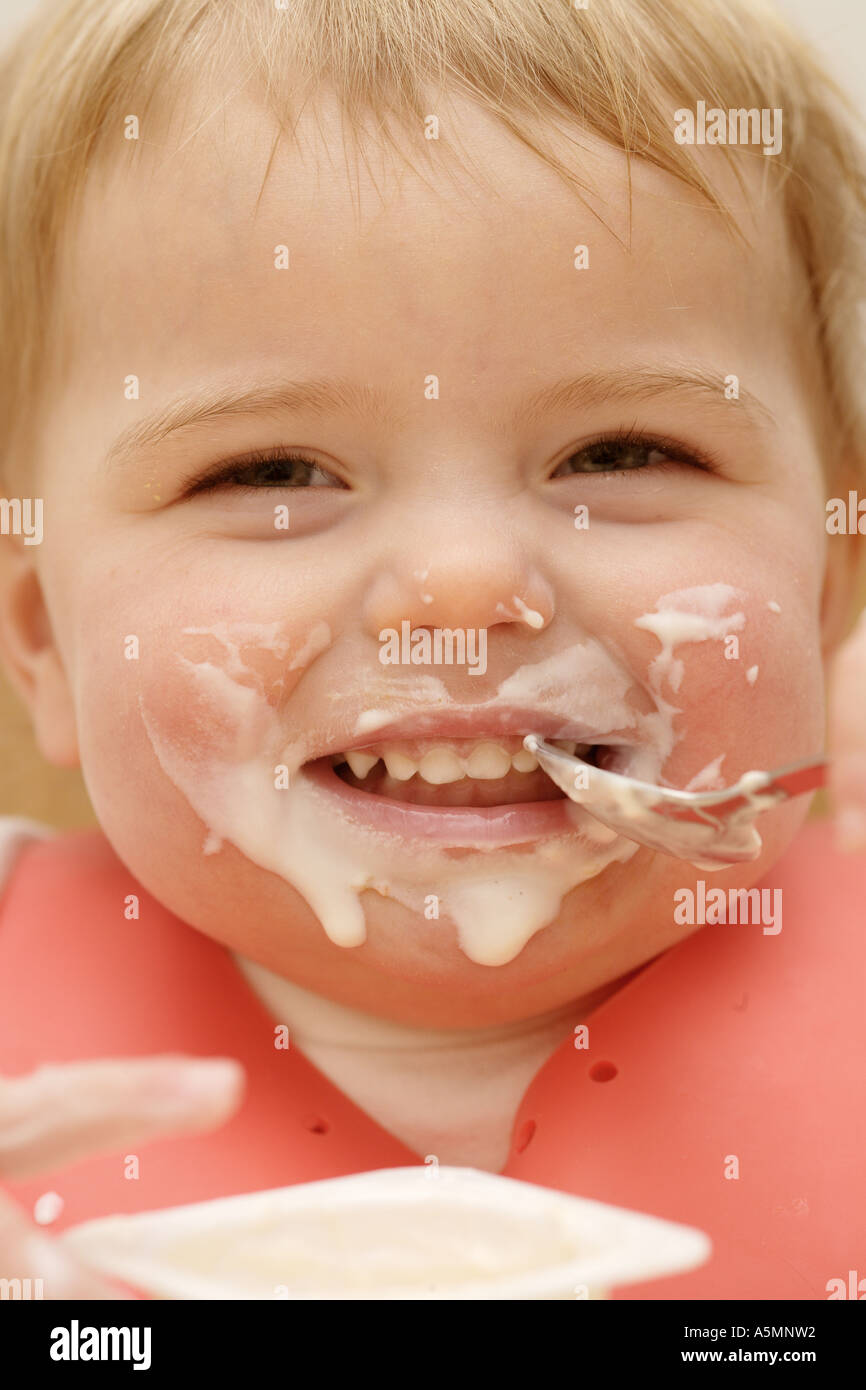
(248,789)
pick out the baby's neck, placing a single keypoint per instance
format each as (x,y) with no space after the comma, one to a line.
(449,1092)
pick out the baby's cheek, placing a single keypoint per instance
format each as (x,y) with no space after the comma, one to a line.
(753,693)
(199,693)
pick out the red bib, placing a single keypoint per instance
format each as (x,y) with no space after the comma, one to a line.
(735,1049)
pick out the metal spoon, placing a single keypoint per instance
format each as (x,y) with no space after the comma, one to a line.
(710,829)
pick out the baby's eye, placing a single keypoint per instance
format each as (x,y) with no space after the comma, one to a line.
(615,456)
(270,470)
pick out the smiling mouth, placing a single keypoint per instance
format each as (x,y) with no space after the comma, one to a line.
(479,772)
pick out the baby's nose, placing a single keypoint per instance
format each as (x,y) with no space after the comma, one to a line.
(465,592)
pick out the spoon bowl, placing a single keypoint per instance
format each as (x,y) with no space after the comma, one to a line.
(713,830)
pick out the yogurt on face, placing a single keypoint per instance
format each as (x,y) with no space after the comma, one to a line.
(685,616)
(253,794)
(262,803)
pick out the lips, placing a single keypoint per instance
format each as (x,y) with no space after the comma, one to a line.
(470,826)
(460,776)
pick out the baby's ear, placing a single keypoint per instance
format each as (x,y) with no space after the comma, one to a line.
(31,658)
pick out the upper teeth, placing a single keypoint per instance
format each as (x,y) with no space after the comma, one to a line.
(442,763)
(360,763)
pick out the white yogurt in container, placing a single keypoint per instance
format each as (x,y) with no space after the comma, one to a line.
(399,1233)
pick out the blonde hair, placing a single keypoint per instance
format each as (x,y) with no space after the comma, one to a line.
(619,68)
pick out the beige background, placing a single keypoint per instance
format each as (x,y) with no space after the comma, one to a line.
(28,786)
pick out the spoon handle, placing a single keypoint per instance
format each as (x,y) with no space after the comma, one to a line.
(801,778)
(795,780)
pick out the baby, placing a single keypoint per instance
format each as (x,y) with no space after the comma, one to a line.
(398,381)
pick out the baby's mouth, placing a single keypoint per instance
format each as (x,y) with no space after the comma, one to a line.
(479,772)
(460,778)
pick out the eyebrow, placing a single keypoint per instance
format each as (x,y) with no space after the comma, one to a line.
(632,383)
(191,412)
(643,382)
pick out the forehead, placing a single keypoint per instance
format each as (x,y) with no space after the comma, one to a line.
(418,257)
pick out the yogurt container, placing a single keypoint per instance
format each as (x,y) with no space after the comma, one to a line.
(393,1233)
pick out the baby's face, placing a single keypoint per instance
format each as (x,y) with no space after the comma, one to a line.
(222,619)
